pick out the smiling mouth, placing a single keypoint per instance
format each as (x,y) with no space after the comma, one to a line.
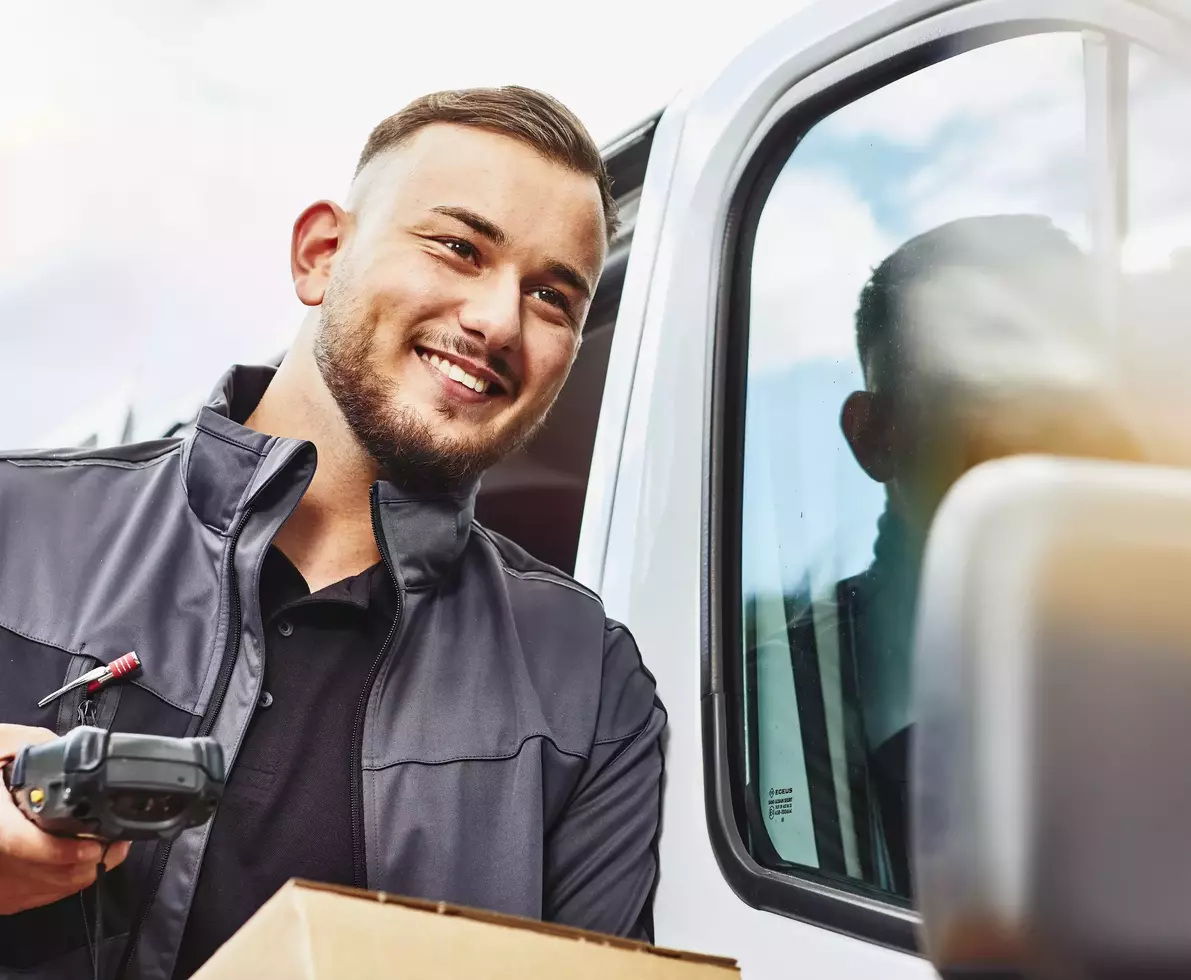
(454,372)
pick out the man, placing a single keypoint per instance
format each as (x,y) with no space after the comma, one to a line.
(408,701)
(978,339)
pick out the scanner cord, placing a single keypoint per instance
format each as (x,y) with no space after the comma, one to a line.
(95,936)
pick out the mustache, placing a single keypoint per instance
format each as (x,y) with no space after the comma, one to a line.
(450,343)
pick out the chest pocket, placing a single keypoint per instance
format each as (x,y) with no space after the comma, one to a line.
(32,669)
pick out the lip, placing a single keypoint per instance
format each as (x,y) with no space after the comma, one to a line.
(472,368)
(453,389)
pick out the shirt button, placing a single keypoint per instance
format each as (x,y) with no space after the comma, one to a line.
(285,627)
(265,699)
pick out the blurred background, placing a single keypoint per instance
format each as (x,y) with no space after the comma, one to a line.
(154,154)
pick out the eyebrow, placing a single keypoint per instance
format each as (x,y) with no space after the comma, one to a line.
(476,222)
(560,270)
(482,226)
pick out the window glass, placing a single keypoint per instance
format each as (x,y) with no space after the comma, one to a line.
(927,294)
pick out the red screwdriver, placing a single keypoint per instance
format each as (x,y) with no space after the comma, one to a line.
(126,666)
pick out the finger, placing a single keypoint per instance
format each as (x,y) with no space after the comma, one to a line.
(22,840)
(13,738)
(57,881)
(116,854)
(67,881)
(81,876)
(83,873)
(31,845)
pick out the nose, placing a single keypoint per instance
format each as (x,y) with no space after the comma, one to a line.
(492,311)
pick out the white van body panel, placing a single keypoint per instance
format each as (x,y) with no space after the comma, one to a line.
(642,540)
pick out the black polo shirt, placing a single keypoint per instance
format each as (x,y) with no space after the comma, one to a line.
(286,809)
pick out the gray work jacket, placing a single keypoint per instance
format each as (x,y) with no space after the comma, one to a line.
(507,745)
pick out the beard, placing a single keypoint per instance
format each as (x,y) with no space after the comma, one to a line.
(397,437)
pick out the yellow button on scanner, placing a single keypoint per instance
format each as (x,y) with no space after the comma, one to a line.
(36,797)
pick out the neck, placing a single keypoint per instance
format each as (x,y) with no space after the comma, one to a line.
(329,536)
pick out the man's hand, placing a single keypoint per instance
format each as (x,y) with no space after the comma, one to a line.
(35,867)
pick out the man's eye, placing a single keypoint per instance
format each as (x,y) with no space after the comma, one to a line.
(553,297)
(465,250)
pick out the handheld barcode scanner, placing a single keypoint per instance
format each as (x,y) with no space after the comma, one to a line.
(116,786)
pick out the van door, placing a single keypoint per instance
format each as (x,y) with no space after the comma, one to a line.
(864,257)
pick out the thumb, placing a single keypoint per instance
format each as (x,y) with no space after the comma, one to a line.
(13,738)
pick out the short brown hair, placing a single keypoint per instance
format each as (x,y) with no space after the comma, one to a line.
(524,114)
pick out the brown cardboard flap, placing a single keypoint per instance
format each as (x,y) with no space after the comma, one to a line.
(316,932)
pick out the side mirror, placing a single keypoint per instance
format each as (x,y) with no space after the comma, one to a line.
(1051,797)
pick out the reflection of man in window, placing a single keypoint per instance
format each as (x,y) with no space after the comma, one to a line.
(978,339)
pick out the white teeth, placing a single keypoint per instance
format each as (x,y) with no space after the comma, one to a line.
(456,373)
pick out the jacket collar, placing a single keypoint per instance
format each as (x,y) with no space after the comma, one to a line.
(226,465)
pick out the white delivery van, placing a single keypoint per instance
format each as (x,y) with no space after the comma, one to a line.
(888,241)
(730,504)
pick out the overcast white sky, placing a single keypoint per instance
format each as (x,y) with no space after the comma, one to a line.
(154,153)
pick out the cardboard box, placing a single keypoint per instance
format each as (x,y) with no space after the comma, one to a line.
(319,932)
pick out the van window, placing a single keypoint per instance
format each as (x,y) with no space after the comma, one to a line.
(979,259)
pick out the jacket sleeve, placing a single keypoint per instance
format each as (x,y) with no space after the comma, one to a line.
(601,854)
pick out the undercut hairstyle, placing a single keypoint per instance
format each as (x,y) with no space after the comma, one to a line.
(531,117)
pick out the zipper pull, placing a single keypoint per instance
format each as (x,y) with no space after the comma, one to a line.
(87,712)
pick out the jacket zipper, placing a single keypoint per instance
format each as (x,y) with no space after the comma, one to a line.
(226,666)
(235,627)
(359,857)
(85,710)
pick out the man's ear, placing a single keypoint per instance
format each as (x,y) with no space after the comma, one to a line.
(866,424)
(319,233)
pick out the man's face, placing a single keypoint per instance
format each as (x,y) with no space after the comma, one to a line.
(455,308)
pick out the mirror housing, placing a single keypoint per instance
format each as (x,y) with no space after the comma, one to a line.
(1051,761)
